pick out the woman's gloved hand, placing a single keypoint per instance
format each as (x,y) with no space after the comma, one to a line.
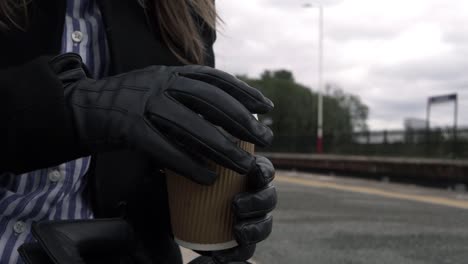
(168,112)
(254,223)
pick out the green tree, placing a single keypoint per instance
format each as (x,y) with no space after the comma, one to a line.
(358,111)
(295,113)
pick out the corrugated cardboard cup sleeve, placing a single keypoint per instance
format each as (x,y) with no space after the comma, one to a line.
(201,216)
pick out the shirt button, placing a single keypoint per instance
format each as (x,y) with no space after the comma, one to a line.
(55,176)
(77,36)
(19,227)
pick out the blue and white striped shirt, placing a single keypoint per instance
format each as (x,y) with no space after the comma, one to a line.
(58,192)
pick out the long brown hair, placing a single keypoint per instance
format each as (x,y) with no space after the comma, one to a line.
(179,28)
(178,20)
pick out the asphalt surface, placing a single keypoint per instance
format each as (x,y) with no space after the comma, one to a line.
(356,221)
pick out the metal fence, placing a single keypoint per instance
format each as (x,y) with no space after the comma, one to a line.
(436,143)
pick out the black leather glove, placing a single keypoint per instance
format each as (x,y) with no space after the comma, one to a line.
(254,223)
(113,240)
(167,112)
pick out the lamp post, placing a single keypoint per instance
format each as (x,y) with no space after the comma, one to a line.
(319,141)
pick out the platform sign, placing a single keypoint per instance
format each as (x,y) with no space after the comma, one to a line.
(442,98)
(449,98)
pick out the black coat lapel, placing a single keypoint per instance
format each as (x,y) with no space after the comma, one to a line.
(134,43)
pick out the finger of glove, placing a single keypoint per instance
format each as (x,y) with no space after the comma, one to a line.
(234,255)
(203,260)
(198,135)
(65,62)
(254,204)
(261,174)
(252,231)
(220,109)
(252,98)
(237,255)
(164,152)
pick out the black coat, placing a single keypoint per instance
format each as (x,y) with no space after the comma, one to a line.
(36,134)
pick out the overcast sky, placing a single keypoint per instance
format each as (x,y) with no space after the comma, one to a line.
(394,54)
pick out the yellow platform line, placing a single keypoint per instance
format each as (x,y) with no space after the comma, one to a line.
(373,191)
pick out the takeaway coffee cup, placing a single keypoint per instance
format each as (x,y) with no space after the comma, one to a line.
(201,216)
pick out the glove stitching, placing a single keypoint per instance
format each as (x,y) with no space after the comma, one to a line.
(254,213)
(263,180)
(121,87)
(202,143)
(67,72)
(266,177)
(159,133)
(124,75)
(114,108)
(247,214)
(237,88)
(243,229)
(234,121)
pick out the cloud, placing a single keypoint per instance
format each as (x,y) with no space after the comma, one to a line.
(295,4)
(393,54)
(445,69)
